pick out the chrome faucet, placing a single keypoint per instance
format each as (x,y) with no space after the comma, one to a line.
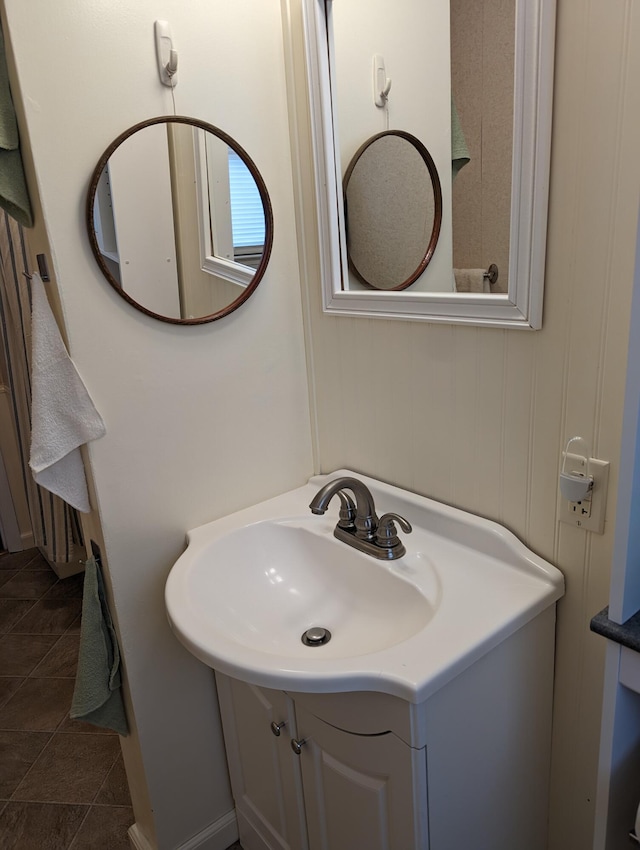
(358,525)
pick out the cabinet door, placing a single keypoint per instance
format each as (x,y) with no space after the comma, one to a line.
(361,791)
(265,774)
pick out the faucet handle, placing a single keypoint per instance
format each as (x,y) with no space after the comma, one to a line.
(347,511)
(387,534)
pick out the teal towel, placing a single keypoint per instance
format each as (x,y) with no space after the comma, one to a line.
(14,197)
(459,150)
(97,697)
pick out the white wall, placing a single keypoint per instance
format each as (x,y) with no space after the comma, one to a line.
(200,420)
(140,191)
(478,417)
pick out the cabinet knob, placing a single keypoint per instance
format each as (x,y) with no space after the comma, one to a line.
(296,746)
(276,727)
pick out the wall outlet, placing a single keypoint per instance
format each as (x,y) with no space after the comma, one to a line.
(588,513)
(581,509)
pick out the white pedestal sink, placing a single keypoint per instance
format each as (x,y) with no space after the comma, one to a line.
(423,724)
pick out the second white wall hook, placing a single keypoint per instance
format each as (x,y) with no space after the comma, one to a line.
(166,54)
(381,83)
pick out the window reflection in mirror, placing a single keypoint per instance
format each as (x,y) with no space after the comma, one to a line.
(247,218)
(232,220)
(180,221)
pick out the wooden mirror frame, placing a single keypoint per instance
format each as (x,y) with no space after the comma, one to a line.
(437,206)
(264,196)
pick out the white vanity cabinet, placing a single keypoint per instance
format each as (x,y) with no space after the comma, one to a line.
(468,766)
(343,790)
(265,773)
(360,790)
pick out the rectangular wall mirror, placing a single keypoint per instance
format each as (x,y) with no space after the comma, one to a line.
(409,227)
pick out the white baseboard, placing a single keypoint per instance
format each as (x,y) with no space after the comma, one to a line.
(138,839)
(66,570)
(28,540)
(217,836)
(254,836)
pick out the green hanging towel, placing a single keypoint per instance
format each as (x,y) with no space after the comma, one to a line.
(459,150)
(14,196)
(97,697)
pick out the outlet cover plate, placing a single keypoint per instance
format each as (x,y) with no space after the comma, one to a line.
(570,512)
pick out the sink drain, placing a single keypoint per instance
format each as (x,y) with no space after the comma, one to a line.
(316,636)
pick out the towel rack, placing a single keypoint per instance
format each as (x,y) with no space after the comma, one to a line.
(491,274)
(43,269)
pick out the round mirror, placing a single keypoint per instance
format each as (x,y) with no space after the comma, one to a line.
(179,220)
(393,210)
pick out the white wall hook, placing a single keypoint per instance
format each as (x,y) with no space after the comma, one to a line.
(166,54)
(381,83)
(172,65)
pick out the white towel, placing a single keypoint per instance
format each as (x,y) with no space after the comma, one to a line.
(471,280)
(63,417)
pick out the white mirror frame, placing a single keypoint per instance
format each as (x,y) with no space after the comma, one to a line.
(521,307)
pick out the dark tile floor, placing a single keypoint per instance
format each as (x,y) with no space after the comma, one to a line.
(62,782)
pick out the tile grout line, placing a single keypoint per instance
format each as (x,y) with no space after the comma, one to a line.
(45,803)
(80,825)
(4,801)
(30,675)
(78,731)
(11,800)
(35,602)
(11,696)
(107,775)
(46,655)
(35,634)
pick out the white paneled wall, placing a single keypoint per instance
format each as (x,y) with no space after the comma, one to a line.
(478,417)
